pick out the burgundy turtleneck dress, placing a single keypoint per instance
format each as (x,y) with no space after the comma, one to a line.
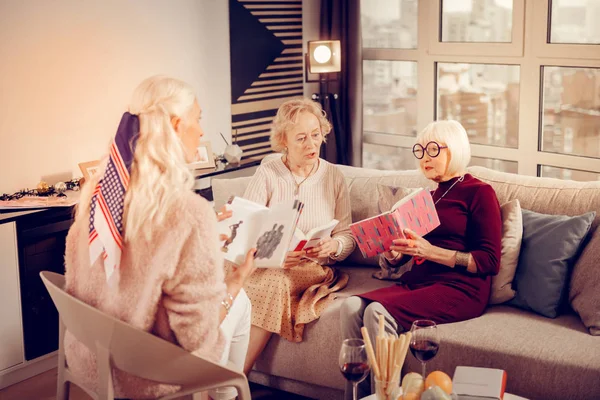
(470,222)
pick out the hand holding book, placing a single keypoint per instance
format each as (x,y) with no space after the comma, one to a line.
(293,259)
(376,235)
(414,246)
(326,247)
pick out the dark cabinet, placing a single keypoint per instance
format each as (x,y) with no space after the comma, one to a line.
(41,242)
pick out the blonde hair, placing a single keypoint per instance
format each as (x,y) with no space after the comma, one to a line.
(287,115)
(453,135)
(159,176)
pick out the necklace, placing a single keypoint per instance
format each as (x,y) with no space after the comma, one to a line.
(462,178)
(294,177)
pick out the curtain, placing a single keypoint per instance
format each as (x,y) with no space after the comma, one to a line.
(340,20)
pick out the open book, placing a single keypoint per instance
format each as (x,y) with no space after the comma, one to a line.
(302,241)
(416,212)
(269,230)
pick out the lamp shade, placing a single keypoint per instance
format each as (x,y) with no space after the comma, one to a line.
(324,56)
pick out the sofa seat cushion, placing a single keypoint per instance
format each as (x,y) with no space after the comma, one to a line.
(544,358)
(315,359)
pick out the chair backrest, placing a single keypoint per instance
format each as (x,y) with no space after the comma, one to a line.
(132,350)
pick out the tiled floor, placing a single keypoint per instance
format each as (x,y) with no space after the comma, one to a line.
(43,387)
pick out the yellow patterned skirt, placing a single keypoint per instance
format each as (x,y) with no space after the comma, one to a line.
(284,300)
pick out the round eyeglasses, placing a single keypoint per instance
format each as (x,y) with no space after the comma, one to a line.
(432,148)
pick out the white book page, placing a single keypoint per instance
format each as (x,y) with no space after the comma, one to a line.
(274,234)
(241,228)
(315,235)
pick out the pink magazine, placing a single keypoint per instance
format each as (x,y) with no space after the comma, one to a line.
(415,212)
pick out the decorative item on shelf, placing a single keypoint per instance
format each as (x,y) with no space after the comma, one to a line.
(233,152)
(205,158)
(60,188)
(89,168)
(43,189)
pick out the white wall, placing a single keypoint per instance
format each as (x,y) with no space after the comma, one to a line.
(68,68)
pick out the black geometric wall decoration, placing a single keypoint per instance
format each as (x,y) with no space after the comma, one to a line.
(266,67)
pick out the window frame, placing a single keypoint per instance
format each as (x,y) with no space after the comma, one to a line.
(525,52)
(514,48)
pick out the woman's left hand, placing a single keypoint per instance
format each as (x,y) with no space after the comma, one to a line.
(414,245)
(325,248)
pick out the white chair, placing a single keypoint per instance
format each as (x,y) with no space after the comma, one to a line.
(120,345)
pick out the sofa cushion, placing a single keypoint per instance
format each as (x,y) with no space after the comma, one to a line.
(512,235)
(544,358)
(558,197)
(550,245)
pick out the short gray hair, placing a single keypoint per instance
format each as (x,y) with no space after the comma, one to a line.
(453,135)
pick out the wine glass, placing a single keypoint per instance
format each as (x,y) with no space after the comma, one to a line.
(425,341)
(353,362)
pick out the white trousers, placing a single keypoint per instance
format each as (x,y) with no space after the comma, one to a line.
(236,330)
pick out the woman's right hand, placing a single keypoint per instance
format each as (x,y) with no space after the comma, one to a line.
(293,258)
(239,273)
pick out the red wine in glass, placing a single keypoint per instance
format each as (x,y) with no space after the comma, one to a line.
(425,342)
(353,362)
(424,350)
(355,371)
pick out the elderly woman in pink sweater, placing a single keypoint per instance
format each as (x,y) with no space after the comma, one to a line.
(144,248)
(285,300)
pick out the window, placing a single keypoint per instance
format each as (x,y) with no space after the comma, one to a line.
(575,21)
(390,97)
(483,98)
(548,171)
(495,164)
(387,157)
(476,21)
(571,104)
(530,104)
(389,23)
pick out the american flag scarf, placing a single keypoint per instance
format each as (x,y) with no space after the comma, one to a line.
(106,210)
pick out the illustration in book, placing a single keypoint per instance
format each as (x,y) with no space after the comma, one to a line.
(268,229)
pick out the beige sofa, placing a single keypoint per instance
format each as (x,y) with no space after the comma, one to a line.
(544,358)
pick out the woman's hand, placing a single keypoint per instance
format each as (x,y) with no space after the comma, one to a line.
(239,273)
(392,255)
(293,259)
(414,245)
(325,248)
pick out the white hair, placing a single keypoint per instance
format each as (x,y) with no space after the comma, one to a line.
(453,135)
(159,175)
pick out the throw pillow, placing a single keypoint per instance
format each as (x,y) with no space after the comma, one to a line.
(512,235)
(551,244)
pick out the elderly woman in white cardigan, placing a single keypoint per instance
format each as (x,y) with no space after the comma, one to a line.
(284,300)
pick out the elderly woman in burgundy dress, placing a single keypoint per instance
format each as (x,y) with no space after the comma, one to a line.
(446,277)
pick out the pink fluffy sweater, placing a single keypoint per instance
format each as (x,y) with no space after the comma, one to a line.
(171,286)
